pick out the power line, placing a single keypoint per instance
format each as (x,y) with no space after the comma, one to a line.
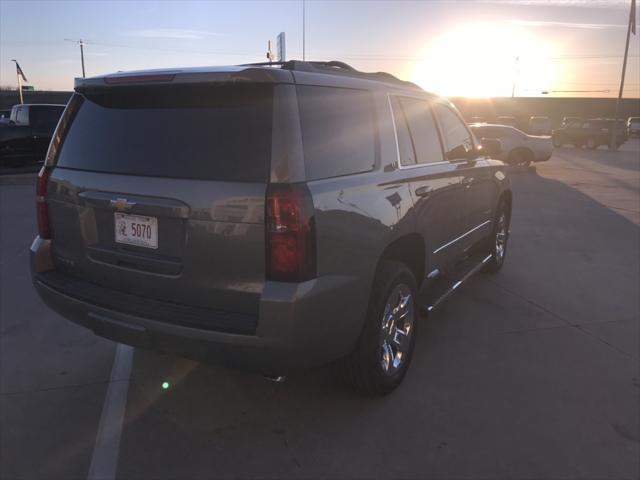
(354,56)
(175,50)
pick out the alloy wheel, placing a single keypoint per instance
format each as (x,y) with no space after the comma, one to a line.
(501,238)
(397,329)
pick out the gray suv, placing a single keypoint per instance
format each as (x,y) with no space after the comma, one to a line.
(270,217)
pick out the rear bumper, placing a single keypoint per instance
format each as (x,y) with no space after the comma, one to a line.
(298,326)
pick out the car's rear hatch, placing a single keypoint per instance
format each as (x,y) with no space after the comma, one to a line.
(158,192)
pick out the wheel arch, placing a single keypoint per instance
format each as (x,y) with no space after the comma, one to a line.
(409,250)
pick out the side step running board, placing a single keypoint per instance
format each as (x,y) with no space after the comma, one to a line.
(457,284)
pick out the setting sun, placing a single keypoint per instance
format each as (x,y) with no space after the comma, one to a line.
(483,59)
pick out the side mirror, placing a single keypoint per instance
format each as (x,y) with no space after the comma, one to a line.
(461,153)
(490,147)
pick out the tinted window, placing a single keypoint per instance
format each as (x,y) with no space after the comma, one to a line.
(405,145)
(46,117)
(338,131)
(488,132)
(203,132)
(457,138)
(424,133)
(22,116)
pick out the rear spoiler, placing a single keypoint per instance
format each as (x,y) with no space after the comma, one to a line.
(183,76)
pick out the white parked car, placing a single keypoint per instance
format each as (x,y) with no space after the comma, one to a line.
(540,125)
(517,146)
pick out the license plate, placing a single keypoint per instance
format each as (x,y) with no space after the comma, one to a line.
(136,230)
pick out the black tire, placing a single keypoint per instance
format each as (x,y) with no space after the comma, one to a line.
(520,156)
(557,142)
(497,260)
(591,143)
(363,368)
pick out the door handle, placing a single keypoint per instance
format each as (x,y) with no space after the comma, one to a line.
(424,191)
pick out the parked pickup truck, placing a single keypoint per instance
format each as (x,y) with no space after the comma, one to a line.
(25,139)
(590,133)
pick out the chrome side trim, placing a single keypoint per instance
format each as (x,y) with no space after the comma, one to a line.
(395,129)
(461,237)
(433,273)
(458,283)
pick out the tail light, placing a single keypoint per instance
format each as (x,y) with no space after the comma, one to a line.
(42,209)
(291,236)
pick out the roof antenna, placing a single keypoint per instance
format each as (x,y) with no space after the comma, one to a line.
(270,55)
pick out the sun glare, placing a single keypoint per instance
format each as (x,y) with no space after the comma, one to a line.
(483,59)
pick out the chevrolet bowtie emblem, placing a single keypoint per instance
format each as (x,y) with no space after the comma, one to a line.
(122,204)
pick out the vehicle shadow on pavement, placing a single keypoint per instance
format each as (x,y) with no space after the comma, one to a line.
(530,373)
(622,159)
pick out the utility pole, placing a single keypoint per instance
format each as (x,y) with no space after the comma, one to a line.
(516,72)
(82,43)
(304,52)
(631,27)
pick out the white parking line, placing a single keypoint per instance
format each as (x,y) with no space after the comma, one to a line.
(104,462)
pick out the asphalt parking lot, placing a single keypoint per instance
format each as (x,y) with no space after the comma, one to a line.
(533,373)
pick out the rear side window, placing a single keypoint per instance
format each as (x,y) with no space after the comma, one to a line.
(488,132)
(457,138)
(423,130)
(338,131)
(196,132)
(22,116)
(406,151)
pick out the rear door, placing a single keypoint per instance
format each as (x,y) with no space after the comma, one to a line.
(159,192)
(436,184)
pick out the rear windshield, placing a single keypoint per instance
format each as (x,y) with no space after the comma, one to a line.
(199,132)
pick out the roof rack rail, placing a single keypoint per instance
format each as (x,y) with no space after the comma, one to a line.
(334,67)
